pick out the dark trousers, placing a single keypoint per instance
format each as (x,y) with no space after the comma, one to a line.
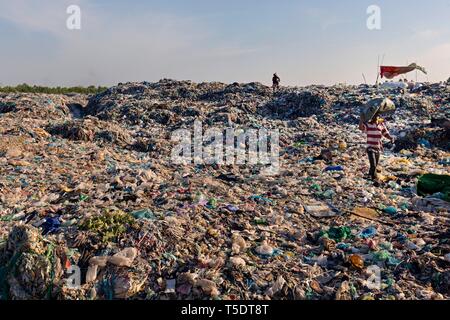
(374,159)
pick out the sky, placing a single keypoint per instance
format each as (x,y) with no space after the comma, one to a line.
(304,41)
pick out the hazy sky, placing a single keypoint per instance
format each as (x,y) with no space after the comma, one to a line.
(305,41)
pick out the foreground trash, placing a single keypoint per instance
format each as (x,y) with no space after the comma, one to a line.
(88,183)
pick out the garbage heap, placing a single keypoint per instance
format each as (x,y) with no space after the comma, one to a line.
(93,207)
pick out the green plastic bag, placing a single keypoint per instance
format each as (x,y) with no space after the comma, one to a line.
(338,233)
(432,183)
(143,214)
(378,105)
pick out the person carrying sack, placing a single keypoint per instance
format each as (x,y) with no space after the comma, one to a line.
(375,130)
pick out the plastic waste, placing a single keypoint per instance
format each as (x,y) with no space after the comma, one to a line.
(338,234)
(51,225)
(381,256)
(334,168)
(103,165)
(432,183)
(357,261)
(390,210)
(143,214)
(265,250)
(368,233)
(320,210)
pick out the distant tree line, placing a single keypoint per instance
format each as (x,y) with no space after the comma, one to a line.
(25,88)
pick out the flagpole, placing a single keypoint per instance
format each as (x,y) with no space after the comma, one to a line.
(417,74)
(379,66)
(378,71)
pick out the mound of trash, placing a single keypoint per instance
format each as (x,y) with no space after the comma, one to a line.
(302,104)
(169,102)
(31,265)
(92,205)
(436,133)
(90,129)
(421,105)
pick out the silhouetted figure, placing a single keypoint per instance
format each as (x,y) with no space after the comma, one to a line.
(275,82)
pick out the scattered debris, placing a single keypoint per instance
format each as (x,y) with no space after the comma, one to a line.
(88,181)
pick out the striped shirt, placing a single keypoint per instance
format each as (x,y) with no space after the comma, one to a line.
(375,132)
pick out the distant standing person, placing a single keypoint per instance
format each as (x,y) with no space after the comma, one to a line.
(275,82)
(375,130)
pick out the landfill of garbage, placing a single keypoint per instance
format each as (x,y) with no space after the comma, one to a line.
(87,183)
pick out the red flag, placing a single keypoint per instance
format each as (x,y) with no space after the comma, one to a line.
(392,72)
